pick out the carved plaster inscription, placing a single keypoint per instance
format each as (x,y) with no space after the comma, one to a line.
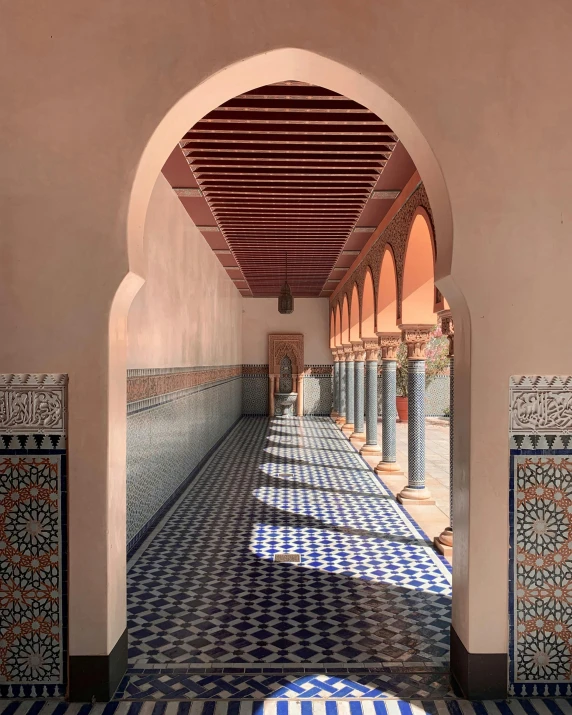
(541,404)
(32,403)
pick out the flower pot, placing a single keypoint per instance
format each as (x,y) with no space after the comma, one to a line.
(402,408)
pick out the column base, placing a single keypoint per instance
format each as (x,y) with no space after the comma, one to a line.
(478,676)
(444,542)
(334,415)
(370,450)
(348,428)
(96,677)
(358,436)
(388,468)
(341,421)
(408,496)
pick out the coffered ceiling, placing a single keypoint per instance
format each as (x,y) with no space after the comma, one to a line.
(288,168)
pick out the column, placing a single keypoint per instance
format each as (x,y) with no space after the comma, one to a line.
(444,542)
(416,337)
(300,401)
(348,427)
(371,348)
(390,343)
(335,385)
(342,388)
(359,376)
(271,395)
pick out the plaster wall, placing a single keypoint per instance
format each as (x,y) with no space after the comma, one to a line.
(188,312)
(260,317)
(119,85)
(185,319)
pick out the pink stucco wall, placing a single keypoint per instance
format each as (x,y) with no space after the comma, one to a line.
(260,317)
(188,311)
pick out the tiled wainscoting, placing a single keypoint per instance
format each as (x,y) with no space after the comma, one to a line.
(317,389)
(540,508)
(436,396)
(33,534)
(175,416)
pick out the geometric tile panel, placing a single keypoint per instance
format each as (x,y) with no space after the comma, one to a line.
(541,580)
(338,706)
(540,510)
(318,394)
(437,396)
(33,527)
(369,588)
(166,442)
(255,394)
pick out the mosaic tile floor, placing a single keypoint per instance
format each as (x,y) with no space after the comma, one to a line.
(206,594)
(540,706)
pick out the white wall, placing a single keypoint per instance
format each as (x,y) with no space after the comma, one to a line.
(260,317)
(188,312)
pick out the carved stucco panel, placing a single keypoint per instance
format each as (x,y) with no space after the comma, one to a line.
(541,404)
(33,403)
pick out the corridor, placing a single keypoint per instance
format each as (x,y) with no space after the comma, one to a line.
(365,612)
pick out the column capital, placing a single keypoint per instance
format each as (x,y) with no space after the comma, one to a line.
(359,350)
(371,347)
(335,354)
(448,329)
(349,353)
(416,338)
(341,354)
(389,343)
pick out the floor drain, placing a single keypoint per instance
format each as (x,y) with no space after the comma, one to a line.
(288,558)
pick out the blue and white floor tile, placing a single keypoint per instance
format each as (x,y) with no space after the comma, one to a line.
(204,589)
(558,706)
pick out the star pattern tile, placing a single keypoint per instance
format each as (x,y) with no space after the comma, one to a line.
(369,589)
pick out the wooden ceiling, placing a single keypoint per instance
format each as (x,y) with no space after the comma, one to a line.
(287,168)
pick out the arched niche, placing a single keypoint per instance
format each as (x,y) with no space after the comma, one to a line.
(338,323)
(332,329)
(345,336)
(367,328)
(418,292)
(354,316)
(387,294)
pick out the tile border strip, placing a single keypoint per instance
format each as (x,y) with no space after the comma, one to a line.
(159,400)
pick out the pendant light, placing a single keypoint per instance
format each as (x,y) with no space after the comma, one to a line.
(286,299)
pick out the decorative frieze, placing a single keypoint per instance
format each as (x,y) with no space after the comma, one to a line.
(32,404)
(541,404)
(389,343)
(144,387)
(416,337)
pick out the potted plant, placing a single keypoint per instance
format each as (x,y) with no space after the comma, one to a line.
(436,362)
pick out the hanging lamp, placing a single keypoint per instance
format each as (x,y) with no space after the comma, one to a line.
(286,299)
